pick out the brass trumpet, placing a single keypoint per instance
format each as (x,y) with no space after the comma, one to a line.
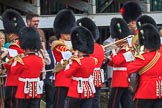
(134,45)
(118,41)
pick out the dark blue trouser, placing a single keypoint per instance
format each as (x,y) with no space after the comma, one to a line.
(49,93)
(120,96)
(28,103)
(148,103)
(60,97)
(96,100)
(79,103)
(10,100)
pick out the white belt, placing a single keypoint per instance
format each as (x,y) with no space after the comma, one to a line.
(97,68)
(80,78)
(47,70)
(80,88)
(29,79)
(120,68)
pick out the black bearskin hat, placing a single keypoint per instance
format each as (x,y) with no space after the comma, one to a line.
(119,28)
(143,19)
(130,11)
(90,25)
(82,40)
(149,36)
(29,39)
(12,21)
(64,22)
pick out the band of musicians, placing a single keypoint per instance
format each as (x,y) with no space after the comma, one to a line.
(69,74)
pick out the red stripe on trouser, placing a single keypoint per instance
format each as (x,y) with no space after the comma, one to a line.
(58,98)
(136,104)
(11,97)
(17,103)
(114,100)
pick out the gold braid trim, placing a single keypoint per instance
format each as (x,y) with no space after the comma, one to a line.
(150,64)
(56,43)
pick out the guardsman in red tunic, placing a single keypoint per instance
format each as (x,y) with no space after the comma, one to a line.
(81,89)
(98,73)
(143,19)
(30,87)
(12,79)
(63,24)
(149,91)
(130,12)
(12,22)
(120,93)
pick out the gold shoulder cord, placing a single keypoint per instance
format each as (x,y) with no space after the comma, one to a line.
(76,59)
(18,58)
(150,64)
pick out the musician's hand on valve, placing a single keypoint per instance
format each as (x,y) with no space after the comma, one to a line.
(61,65)
(64,63)
(113,47)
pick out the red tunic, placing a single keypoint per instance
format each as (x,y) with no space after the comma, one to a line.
(99,54)
(76,70)
(149,80)
(119,64)
(31,69)
(12,79)
(60,79)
